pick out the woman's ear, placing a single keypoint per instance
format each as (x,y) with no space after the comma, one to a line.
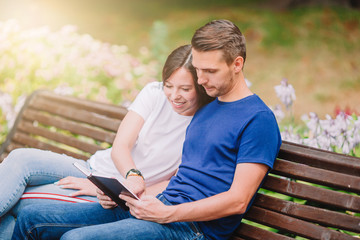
(238,64)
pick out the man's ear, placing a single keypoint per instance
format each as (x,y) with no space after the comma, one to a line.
(238,64)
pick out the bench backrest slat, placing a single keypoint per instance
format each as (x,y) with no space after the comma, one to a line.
(317,215)
(28,141)
(293,225)
(313,193)
(317,175)
(74,127)
(76,114)
(30,129)
(320,158)
(109,110)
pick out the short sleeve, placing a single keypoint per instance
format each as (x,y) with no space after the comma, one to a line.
(147,99)
(260,141)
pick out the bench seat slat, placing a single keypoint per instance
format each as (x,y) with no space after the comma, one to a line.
(309,213)
(293,225)
(317,175)
(74,127)
(31,142)
(60,138)
(307,192)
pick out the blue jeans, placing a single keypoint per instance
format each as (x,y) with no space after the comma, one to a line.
(91,221)
(31,170)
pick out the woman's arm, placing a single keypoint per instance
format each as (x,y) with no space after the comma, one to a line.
(125,139)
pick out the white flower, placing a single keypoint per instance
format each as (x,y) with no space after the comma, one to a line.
(341,132)
(329,125)
(289,135)
(342,121)
(312,122)
(286,93)
(324,142)
(279,114)
(312,142)
(346,148)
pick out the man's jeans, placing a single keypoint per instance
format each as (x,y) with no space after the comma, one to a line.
(91,221)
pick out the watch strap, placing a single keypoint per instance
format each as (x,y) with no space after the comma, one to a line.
(134,172)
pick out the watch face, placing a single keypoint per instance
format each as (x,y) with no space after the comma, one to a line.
(136,171)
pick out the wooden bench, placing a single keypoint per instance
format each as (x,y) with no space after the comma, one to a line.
(310,193)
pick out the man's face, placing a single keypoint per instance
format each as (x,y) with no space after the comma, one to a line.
(213,73)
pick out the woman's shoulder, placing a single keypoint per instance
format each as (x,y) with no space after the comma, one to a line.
(149,97)
(154,86)
(152,90)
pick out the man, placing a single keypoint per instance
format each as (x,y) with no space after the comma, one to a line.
(229,148)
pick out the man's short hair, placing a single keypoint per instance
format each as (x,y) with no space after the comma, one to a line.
(220,35)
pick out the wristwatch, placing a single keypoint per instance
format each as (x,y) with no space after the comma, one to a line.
(134,172)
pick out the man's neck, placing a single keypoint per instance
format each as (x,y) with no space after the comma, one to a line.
(239,91)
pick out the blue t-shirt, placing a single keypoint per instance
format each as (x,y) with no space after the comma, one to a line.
(220,136)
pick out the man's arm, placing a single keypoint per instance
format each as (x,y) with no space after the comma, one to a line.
(247,179)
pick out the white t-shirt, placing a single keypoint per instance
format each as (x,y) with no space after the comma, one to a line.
(157,151)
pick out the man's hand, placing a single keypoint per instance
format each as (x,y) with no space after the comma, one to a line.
(104,200)
(149,208)
(84,186)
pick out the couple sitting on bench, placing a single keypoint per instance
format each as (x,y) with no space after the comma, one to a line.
(232,140)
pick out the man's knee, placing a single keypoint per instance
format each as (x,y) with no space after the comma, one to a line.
(24,223)
(27,214)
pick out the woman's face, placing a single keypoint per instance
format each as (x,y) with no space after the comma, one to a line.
(180,90)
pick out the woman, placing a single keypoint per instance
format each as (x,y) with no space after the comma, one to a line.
(147,146)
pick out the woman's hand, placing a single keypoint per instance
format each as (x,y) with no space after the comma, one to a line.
(84,186)
(104,200)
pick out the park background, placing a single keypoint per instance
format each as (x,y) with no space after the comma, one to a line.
(108,50)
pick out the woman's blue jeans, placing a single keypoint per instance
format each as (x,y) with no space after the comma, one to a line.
(91,221)
(31,170)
